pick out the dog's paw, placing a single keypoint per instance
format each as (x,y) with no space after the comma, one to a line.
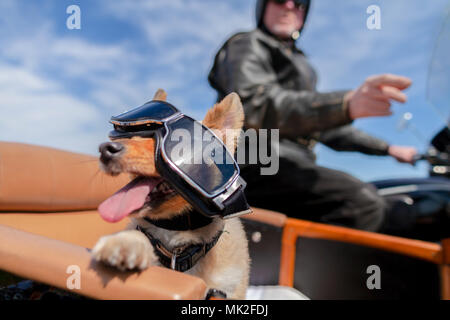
(125,250)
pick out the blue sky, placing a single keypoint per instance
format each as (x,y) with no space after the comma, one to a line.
(59,87)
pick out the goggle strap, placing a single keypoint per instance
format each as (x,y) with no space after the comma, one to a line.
(236,205)
(220,199)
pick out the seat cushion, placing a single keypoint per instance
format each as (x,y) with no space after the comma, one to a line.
(81,228)
(41,179)
(70,267)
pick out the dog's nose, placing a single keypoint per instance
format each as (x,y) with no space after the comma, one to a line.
(109,150)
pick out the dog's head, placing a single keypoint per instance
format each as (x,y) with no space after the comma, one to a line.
(148,194)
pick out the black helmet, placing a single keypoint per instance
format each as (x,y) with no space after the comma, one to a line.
(261,7)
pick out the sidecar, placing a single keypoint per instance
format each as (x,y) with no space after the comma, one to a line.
(49,222)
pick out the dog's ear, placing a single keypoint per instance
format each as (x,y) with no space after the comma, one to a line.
(226,119)
(160,95)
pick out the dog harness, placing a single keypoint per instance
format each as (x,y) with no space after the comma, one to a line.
(181,258)
(184,257)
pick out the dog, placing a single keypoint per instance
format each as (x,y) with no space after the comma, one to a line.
(225,267)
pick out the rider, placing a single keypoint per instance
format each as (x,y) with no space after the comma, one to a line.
(277,87)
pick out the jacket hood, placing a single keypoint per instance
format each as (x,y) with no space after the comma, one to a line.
(261,7)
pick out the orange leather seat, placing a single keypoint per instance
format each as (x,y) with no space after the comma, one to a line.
(48,219)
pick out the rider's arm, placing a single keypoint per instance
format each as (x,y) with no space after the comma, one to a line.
(245,67)
(349,138)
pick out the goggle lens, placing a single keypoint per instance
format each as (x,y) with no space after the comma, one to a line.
(199,154)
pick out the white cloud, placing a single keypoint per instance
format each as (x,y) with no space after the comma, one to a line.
(35,110)
(163,21)
(13,79)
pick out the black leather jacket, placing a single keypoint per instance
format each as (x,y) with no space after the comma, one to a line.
(277,86)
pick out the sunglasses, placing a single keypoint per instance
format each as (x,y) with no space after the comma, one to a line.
(184,149)
(299,4)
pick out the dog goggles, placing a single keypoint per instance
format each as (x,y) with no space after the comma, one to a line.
(189,156)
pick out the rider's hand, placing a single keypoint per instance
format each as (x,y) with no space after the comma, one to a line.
(402,154)
(372,98)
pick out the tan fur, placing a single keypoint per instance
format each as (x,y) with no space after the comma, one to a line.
(160,95)
(226,127)
(226,266)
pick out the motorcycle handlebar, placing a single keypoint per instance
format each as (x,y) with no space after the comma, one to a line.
(434,158)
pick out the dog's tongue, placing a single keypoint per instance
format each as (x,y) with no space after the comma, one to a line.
(126,200)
